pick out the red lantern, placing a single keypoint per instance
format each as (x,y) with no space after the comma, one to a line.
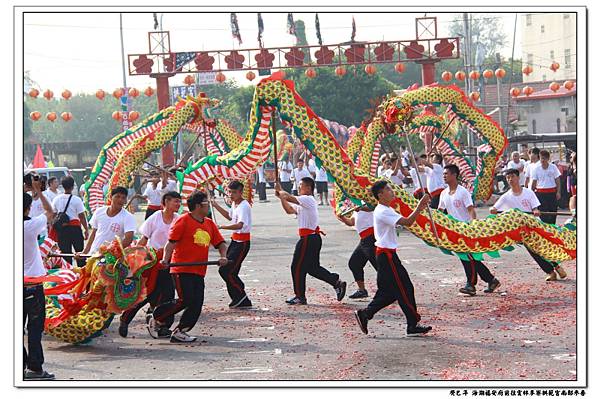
(100,94)
(474,96)
(527,70)
(66,116)
(34,93)
(149,92)
(515,92)
(35,115)
(340,71)
(189,80)
(250,75)
(370,69)
(460,75)
(48,94)
(488,74)
(118,93)
(554,86)
(133,92)
(310,73)
(500,73)
(51,116)
(66,94)
(446,76)
(527,90)
(116,115)
(133,115)
(555,65)
(399,67)
(568,84)
(474,75)
(220,77)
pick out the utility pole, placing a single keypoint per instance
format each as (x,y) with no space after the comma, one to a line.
(467,61)
(125,98)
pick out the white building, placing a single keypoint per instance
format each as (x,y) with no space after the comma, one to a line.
(546,38)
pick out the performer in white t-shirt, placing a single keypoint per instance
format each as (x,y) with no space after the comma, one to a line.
(546,185)
(159,285)
(524,199)
(393,281)
(308,248)
(240,214)
(364,251)
(298,173)
(153,194)
(52,190)
(534,159)
(434,173)
(517,163)
(394,172)
(457,202)
(321,182)
(33,291)
(285,173)
(111,221)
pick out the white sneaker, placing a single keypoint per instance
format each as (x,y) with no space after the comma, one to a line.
(152,327)
(179,336)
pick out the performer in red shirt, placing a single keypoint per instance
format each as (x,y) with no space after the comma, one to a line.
(189,239)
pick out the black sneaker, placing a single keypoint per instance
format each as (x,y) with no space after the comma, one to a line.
(149,312)
(164,332)
(43,375)
(340,290)
(123,328)
(244,302)
(359,294)
(492,286)
(468,289)
(417,329)
(362,320)
(296,301)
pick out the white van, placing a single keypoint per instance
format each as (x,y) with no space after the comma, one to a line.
(59,172)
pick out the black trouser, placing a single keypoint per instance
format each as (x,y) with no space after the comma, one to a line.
(70,240)
(473,268)
(34,315)
(190,292)
(287,186)
(546,266)
(363,253)
(435,201)
(163,292)
(262,191)
(306,261)
(236,253)
(548,203)
(150,212)
(393,284)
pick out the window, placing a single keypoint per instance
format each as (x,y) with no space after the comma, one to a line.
(528,19)
(533,127)
(558,125)
(565,110)
(552,55)
(542,29)
(529,59)
(567,58)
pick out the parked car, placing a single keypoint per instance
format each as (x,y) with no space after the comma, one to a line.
(59,172)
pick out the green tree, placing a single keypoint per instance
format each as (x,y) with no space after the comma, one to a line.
(487,32)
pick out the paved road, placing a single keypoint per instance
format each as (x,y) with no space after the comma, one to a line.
(524,331)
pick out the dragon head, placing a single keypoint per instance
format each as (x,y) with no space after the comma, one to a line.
(395,113)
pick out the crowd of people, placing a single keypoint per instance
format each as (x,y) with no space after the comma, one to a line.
(182,239)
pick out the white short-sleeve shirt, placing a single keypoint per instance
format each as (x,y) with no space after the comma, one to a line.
(394,178)
(50,195)
(299,174)
(545,177)
(528,170)
(241,213)
(312,166)
(157,230)
(435,177)
(308,216)
(384,223)
(32,259)
(526,201)
(456,204)
(261,174)
(75,206)
(363,220)
(512,165)
(283,175)
(171,186)
(321,175)
(107,228)
(154,194)
(415,179)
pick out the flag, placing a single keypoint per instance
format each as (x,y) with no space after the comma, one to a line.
(155,20)
(38,159)
(353,29)
(291,26)
(318,28)
(235,29)
(261,28)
